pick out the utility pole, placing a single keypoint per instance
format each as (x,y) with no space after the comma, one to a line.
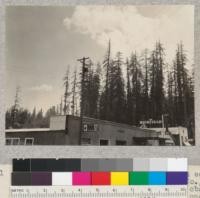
(84,70)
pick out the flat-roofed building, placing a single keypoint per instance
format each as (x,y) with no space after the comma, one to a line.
(65,130)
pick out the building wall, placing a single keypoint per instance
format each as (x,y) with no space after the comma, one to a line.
(42,138)
(64,130)
(113,132)
(73,129)
(69,124)
(58,123)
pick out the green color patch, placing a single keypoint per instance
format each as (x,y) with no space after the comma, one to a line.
(138,178)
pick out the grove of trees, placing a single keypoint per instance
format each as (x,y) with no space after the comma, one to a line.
(123,89)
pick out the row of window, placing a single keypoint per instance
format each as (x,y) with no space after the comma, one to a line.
(103,142)
(19,141)
(90,127)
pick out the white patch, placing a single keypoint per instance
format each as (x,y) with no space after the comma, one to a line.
(61,178)
(177,164)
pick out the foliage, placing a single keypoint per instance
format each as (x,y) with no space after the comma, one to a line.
(144,86)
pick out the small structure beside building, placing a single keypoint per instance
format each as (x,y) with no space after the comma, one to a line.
(65,130)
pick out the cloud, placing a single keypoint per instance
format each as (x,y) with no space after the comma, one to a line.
(129,30)
(43,87)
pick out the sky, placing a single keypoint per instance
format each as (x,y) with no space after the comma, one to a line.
(42,41)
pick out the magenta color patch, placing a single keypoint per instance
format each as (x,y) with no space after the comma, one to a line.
(81,178)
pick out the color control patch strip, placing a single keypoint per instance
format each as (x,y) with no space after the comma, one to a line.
(66,172)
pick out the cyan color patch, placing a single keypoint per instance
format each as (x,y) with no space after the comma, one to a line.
(157,178)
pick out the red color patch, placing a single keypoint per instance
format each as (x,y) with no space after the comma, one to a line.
(101,178)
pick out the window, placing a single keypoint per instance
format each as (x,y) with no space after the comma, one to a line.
(104,142)
(121,131)
(139,141)
(12,141)
(22,141)
(8,141)
(121,142)
(29,141)
(90,127)
(15,141)
(85,127)
(85,141)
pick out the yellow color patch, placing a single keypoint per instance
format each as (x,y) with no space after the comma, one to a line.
(119,178)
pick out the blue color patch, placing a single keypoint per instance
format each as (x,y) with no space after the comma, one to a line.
(157,178)
(177,178)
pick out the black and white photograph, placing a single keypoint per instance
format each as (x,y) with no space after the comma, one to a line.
(100,75)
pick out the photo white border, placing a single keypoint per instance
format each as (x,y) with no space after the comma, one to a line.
(9,152)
